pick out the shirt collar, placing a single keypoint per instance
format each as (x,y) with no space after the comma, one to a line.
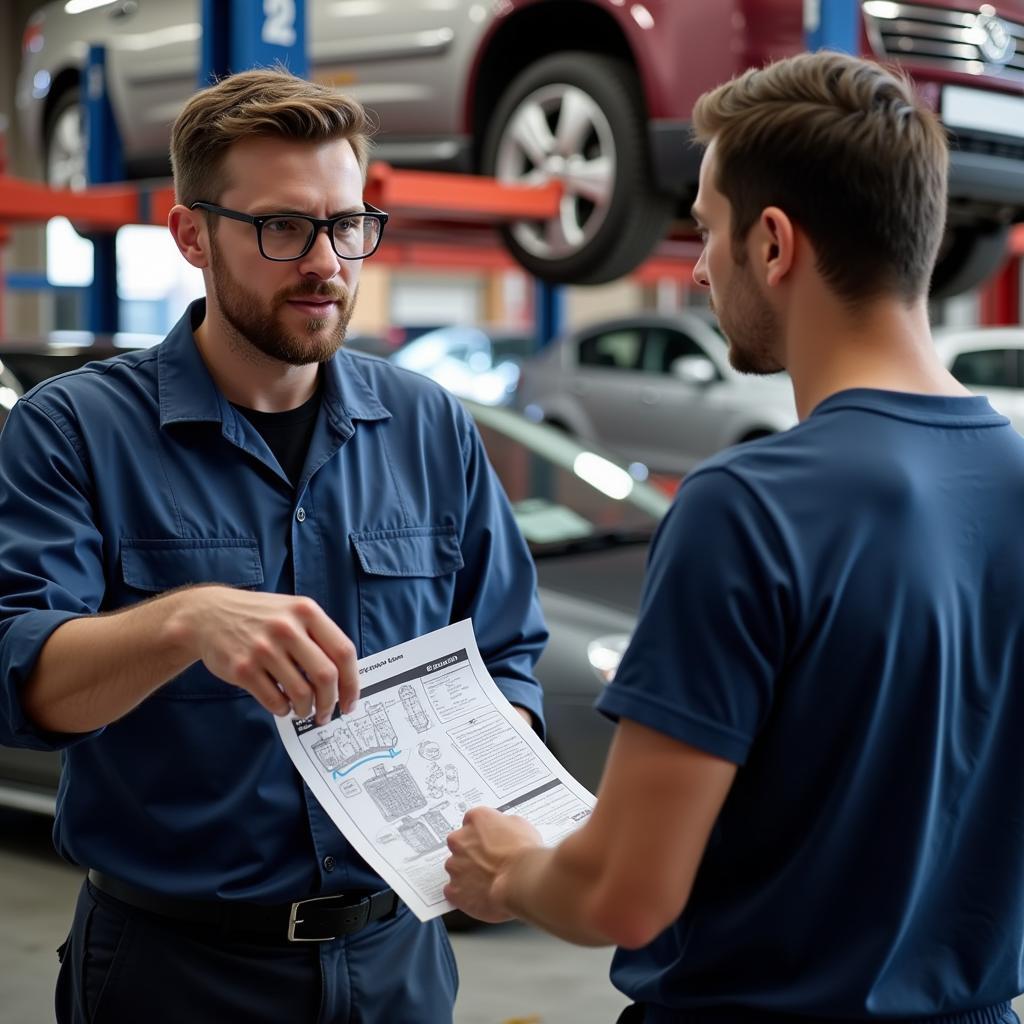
(188,392)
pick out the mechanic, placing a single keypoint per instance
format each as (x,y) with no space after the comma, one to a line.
(197,537)
(812,807)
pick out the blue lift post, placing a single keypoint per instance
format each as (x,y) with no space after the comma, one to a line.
(239,35)
(104,164)
(832,25)
(548,312)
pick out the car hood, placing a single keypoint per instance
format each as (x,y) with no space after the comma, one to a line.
(611,578)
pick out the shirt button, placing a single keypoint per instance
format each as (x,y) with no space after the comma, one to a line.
(300,514)
(329,863)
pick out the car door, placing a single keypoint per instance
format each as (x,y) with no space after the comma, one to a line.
(606,384)
(675,421)
(152,62)
(406,61)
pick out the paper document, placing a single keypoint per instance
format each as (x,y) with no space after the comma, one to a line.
(431,736)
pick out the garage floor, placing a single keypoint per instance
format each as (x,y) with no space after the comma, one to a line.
(510,974)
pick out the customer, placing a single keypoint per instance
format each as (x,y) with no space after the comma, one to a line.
(200,536)
(812,809)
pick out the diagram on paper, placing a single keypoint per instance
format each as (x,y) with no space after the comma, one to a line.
(394,791)
(442,780)
(355,741)
(428,832)
(413,708)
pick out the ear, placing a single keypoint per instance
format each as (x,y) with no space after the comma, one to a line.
(774,245)
(190,234)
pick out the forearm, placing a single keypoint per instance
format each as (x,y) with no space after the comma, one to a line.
(93,670)
(553,890)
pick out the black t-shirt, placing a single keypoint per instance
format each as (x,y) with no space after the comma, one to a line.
(287,433)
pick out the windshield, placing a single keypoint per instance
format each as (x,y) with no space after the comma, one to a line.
(565,496)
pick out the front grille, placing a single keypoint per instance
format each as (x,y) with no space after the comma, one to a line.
(979,142)
(970,41)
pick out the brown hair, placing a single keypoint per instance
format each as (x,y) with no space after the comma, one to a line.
(268,102)
(849,152)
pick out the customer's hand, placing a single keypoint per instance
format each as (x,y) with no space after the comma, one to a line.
(483,850)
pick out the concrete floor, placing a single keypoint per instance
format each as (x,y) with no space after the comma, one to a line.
(510,974)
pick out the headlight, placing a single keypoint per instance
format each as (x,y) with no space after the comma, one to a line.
(605,653)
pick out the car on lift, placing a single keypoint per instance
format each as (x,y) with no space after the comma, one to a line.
(594,94)
(655,389)
(587,521)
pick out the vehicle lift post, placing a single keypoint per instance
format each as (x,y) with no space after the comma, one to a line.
(104,163)
(832,25)
(548,312)
(237,38)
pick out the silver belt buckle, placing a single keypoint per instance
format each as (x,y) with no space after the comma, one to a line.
(294,919)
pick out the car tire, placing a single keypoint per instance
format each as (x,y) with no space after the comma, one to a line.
(64,159)
(602,235)
(968,257)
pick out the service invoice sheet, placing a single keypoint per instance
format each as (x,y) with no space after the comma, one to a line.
(431,736)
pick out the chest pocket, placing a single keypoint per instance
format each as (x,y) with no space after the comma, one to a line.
(406,582)
(155,566)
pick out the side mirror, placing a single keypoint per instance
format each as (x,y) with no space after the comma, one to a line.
(697,370)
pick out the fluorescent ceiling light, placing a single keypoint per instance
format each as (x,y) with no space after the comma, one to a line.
(81,6)
(882,9)
(604,475)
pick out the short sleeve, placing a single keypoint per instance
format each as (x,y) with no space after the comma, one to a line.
(711,637)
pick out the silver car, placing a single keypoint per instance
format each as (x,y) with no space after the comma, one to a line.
(989,361)
(655,389)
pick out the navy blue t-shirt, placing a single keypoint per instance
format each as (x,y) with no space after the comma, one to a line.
(839,610)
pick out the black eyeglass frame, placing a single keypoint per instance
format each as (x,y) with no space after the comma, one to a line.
(327,224)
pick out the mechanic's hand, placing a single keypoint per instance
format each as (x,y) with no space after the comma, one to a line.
(526,716)
(482,852)
(284,650)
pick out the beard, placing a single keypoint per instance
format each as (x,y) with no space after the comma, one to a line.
(257,323)
(749,324)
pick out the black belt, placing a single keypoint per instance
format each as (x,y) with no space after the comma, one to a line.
(318,919)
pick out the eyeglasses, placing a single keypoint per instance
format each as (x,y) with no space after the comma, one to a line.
(289,236)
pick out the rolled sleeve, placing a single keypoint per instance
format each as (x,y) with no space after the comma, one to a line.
(497,587)
(50,555)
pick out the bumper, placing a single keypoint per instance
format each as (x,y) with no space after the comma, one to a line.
(986,178)
(675,158)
